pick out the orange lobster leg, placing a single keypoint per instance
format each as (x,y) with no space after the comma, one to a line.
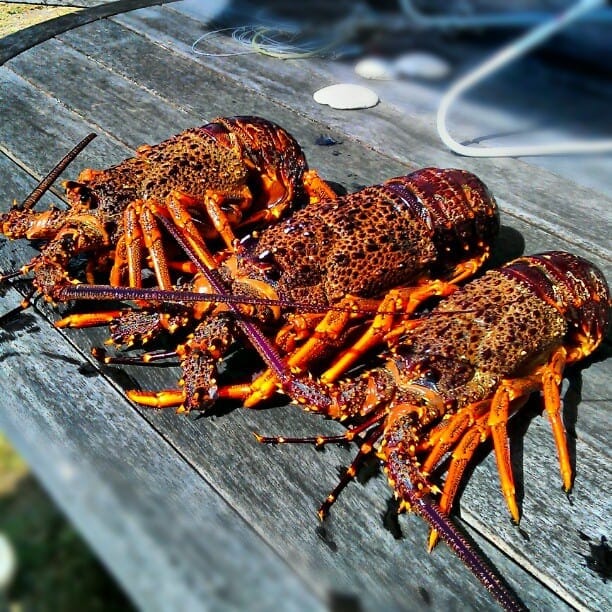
(443,437)
(466,269)
(403,301)
(153,242)
(176,206)
(317,189)
(168,398)
(212,202)
(327,332)
(133,246)
(89,319)
(508,391)
(119,264)
(552,375)
(276,189)
(461,457)
(235,392)
(299,327)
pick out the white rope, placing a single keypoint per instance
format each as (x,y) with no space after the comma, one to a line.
(502,58)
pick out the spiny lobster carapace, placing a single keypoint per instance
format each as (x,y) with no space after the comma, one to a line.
(454,381)
(210,179)
(429,229)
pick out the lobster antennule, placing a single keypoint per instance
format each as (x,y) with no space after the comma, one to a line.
(46,182)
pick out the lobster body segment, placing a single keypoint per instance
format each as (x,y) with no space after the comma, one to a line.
(419,225)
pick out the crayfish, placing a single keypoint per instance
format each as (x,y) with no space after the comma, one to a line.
(429,229)
(232,172)
(455,379)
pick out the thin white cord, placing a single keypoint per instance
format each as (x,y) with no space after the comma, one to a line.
(501,58)
(266,41)
(487,20)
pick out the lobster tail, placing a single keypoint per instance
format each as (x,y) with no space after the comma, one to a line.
(456,205)
(575,287)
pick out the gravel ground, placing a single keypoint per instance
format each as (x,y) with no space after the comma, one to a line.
(16,16)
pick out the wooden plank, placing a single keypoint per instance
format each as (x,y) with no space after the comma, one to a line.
(190,438)
(529,194)
(73,3)
(147,530)
(136,500)
(131,114)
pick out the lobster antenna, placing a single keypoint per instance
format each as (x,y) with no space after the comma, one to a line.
(456,541)
(44,185)
(104,292)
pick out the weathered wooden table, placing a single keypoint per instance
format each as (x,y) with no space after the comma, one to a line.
(192,513)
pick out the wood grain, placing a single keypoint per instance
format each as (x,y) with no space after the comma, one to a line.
(210,504)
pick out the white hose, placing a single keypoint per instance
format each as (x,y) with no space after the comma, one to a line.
(503,57)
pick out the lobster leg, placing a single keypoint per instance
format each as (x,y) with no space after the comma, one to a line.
(317,189)
(326,333)
(119,267)
(497,422)
(133,246)
(443,437)
(89,319)
(140,226)
(143,359)
(552,375)
(299,327)
(198,358)
(471,440)
(365,449)
(403,301)
(546,378)
(153,242)
(176,208)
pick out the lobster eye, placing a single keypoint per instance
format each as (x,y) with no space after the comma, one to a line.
(78,192)
(85,196)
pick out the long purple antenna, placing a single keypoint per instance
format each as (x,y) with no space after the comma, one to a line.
(425,507)
(105,292)
(44,185)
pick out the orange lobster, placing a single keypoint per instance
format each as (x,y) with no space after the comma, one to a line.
(456,378)
(231,172)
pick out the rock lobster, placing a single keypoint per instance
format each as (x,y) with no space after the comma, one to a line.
(231,172)
(456,378)
(431,228)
